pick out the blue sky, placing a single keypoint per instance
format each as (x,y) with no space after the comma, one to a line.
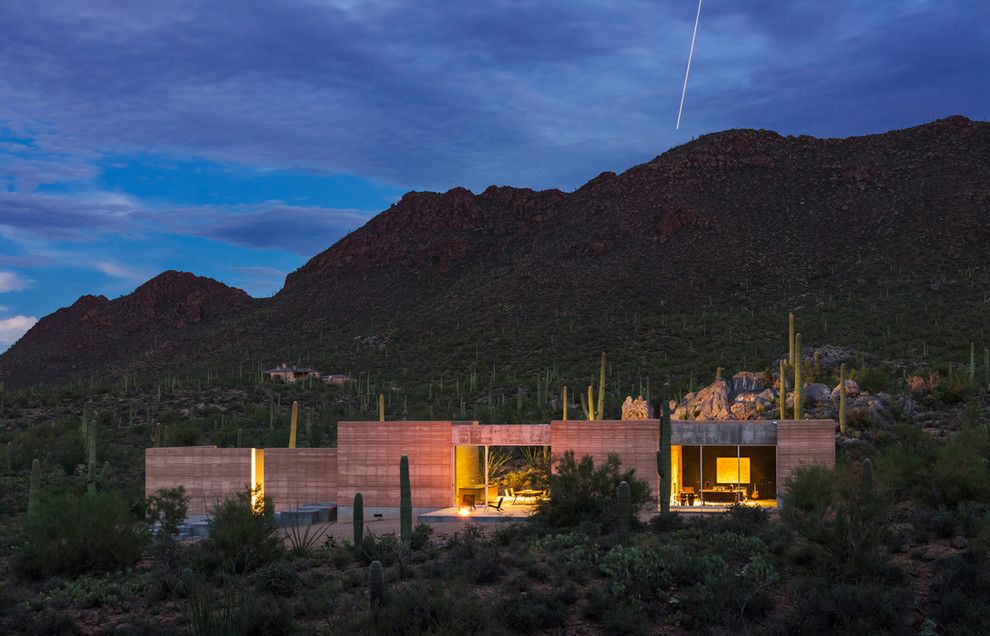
(237,139)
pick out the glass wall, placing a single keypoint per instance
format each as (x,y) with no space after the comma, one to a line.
(723,475)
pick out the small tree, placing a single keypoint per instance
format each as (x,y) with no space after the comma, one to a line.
(166,509)
(243,534)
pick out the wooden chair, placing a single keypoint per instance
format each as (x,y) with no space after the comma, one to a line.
(498,506)
(467,501)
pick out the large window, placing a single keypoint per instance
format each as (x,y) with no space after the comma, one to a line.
(721,475)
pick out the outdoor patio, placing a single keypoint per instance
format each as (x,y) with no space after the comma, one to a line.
(480,514)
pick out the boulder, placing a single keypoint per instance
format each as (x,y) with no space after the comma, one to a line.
(636,409)
(815,393)
(748,382)
(852,390)
(710,403)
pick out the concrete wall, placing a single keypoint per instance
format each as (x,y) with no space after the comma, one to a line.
(726,432)
(801,442)
(209,474)
(368,456)
(500,435)
(635,442)
(300,476)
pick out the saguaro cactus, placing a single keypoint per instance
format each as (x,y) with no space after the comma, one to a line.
(842,398)
(663,453)
(588,407)
(790,339)
(405,501)
(376,585)
(358,522)
(623,498)
(381,407)
(798,384)
(293,424)
(783,392)
(867,477)
(34,490)
(564,398)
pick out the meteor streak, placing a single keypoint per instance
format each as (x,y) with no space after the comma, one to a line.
(688,71)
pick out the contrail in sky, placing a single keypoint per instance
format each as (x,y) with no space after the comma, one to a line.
(688,71)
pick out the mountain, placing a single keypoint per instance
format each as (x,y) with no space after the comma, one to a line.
(741,218)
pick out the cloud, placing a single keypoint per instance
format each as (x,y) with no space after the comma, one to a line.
(115,270)
(11,281)
(11,329)
(425,95)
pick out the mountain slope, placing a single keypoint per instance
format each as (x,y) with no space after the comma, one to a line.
(738,217)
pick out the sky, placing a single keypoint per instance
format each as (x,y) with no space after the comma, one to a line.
(237,139)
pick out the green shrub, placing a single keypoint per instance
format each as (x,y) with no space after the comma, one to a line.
(74,534)
(279,578)
(166,508)
(243,534)
(530,612)
(584,494)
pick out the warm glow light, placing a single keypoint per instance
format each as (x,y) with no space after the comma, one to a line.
(464,512)
(730,470)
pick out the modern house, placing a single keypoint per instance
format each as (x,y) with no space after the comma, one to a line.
(712,463)
(291,374)
(337,379)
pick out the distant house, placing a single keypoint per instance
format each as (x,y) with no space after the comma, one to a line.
(291,374)
(337,378)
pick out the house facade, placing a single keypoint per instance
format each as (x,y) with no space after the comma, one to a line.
(712,463)
(291,374)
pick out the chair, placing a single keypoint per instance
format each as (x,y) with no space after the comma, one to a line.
(510,492)
(467,501)
(498,506)
(689,491)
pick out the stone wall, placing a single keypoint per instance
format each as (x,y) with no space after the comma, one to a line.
(209,474)
(298,476)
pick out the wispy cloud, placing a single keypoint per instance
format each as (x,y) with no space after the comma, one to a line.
(12,281)
(116,270)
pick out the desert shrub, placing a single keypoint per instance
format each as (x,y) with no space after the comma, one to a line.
(472,557)
(666,522)
(74,534)
(99,591)
(303,538)
(625,617)
(243,534)
(842,525)
(233,613)
(960,470)
(834,605)
(279,578)
(421,535)
(872,379)
(531,612)
(584,494)
(166,508)
(382,547)
(427,607)
(957,388)
(958,582)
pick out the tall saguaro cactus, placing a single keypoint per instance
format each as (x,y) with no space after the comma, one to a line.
(381,407)
(663,453)
(358,522)
(34,490)
(798,384)
(790,339)
(564,398)
(783,391)
(867,476)
(625,512)
(972,361)
(842,398)
(405,501)
(293,424)
(588,407)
